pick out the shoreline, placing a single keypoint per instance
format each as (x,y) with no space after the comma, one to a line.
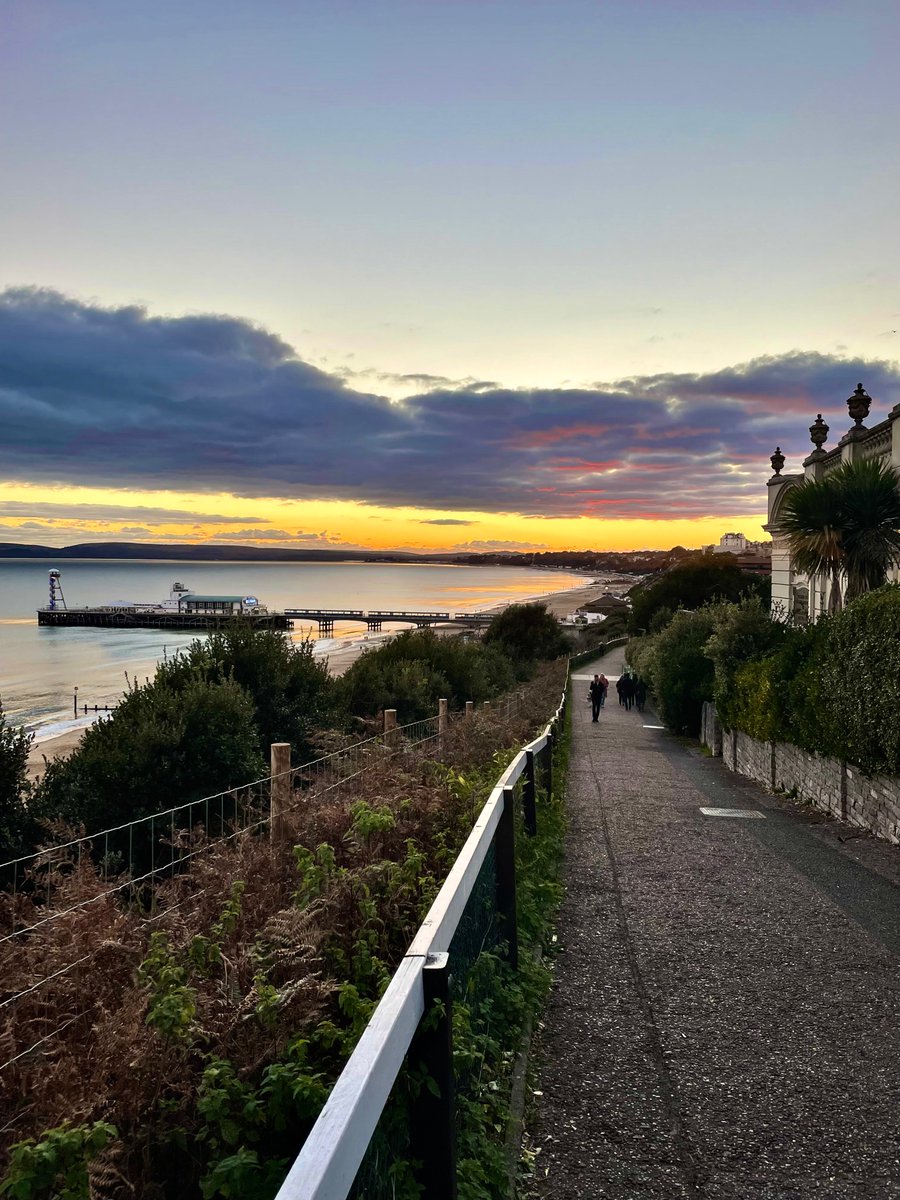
(339,660)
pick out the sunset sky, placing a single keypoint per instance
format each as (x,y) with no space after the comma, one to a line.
(474,275)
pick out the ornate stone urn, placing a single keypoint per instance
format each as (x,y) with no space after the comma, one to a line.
(818,435)
(777,460)
(859,404)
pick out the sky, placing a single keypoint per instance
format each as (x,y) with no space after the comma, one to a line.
(462,275)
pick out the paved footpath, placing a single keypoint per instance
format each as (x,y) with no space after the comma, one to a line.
(725,1017)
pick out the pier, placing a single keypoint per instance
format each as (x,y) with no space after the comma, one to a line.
(136,618)
(326,618)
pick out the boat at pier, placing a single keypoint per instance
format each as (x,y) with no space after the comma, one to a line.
(183,609)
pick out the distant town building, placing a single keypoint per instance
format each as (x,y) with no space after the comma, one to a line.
(793,592)
(730,543)
(751,556)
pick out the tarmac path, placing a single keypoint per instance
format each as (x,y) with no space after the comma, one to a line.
(725,1017)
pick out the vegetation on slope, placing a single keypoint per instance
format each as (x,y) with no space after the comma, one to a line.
(212,1017)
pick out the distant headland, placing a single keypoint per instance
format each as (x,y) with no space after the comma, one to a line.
(631,561)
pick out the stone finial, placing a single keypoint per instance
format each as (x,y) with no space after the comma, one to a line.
(818,432)
(858,405)
(777,460)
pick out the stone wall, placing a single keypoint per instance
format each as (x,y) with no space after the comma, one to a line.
(871,802)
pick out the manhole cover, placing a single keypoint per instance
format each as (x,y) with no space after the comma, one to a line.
(733,812)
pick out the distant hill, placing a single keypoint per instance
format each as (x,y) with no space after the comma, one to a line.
(201,552)
(637,562)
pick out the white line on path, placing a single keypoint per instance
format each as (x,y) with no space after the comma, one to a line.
(733,812)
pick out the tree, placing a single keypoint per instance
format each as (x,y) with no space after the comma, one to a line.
(162,747)
(845,524)
(527,632)
(289,687)
(692,583)
(15,745)
(870,522)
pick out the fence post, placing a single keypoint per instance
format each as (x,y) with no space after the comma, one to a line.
(486,707)
(280,794)
(390,726)
(505,852)
(529,809)
(548,763)
(434,1116)
(470,708)
(442,722)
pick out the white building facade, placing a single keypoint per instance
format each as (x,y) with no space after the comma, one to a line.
(792,592)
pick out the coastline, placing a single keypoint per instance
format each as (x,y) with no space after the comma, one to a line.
(339,660)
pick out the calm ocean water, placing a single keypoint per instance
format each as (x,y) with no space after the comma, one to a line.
(40,666)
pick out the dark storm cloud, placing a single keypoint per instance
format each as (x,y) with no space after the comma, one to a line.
(213,403)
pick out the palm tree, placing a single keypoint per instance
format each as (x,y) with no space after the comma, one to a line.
(847,523)
(810,519)
(870,522)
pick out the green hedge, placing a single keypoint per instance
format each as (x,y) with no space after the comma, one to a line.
(833,689)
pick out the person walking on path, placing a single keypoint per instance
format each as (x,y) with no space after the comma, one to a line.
(627,692)
(605,682)
(620,688)
(640,694)
(596,691)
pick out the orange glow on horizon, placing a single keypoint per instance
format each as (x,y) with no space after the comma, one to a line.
(62,515)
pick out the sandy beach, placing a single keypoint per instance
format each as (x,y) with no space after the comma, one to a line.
(339,660)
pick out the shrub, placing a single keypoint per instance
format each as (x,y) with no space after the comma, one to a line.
(15,745)
(289,688)
(741,632)
(527,632)
(846,696)
(680,670)
(692,583)
(414,670)
(161,747)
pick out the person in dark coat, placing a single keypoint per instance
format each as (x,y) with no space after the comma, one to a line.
(596,691)
(627,691)
(620,686)
(640,695)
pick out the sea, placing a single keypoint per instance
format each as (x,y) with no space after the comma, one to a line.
(41,667)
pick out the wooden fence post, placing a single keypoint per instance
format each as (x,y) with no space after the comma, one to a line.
(470,708)
(280,794)
(505,857)
(434,1116)
(486,707)
(390,726)
(529,808)
(442,722)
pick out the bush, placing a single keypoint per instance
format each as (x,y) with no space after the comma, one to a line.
(15,746)
(289,688)
(681,673)
(741,632)
(414,670)
(160,748)
(846,695)
(527,632)
(694,582)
